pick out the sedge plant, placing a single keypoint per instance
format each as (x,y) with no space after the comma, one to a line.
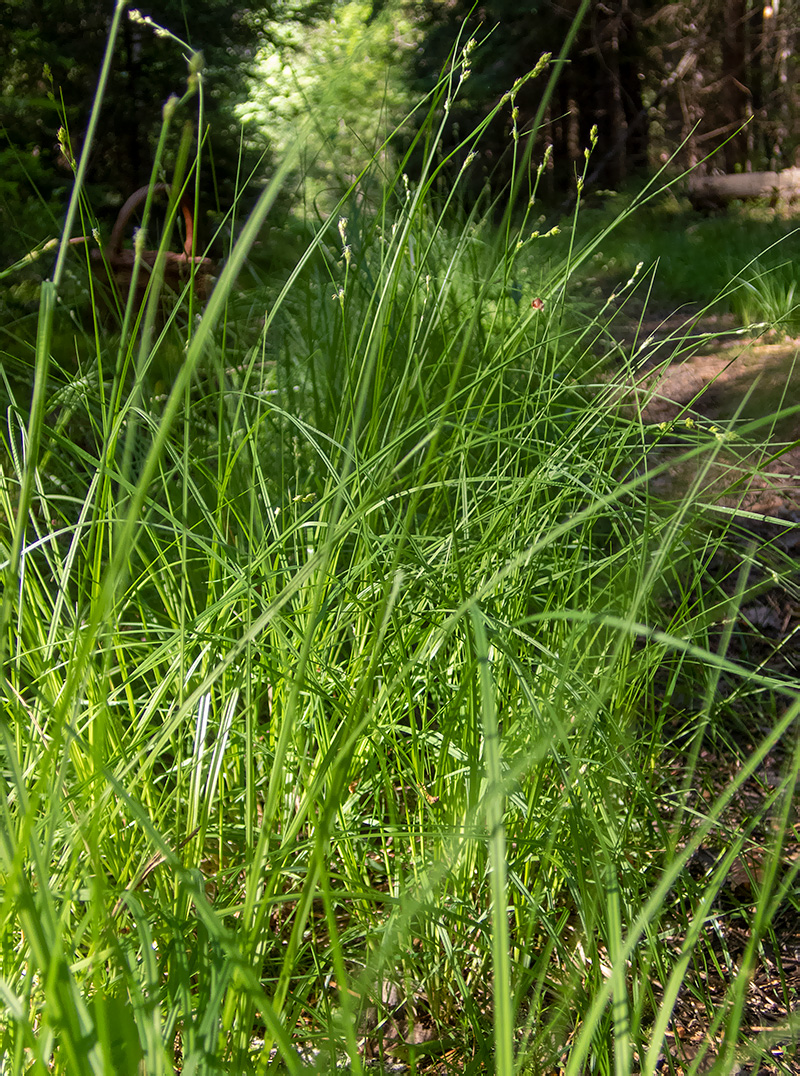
(340,679)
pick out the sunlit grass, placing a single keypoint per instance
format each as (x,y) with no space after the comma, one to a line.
(346,648)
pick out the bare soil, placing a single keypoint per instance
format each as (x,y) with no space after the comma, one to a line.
(710,370)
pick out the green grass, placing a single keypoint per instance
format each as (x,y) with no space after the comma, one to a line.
(739,261)
(350,659)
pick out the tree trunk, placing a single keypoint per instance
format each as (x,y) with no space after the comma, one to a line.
(734,95)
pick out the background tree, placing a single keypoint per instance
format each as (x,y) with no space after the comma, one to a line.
(348,72)
(651,77)
(600,86)
(740,86)
(67,40)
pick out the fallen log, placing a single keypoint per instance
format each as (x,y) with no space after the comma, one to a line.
(711,192)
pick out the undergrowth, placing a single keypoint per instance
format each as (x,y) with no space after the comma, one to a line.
(345,641)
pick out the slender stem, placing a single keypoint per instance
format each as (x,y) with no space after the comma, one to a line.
(47,306)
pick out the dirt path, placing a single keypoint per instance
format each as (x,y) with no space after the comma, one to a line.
(712,372)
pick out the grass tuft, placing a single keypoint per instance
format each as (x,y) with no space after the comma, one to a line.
(360,675)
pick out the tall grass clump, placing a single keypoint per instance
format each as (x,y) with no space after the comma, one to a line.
(356,681)
(768,294)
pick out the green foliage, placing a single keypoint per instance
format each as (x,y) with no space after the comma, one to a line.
(768,295)
(699,257)
(349,74)
(346,648)
(49,70)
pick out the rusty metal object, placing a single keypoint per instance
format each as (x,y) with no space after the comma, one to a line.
(117,262)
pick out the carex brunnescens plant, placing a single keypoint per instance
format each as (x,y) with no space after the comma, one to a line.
(347,647)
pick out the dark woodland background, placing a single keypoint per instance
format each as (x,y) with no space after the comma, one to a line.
(711,85)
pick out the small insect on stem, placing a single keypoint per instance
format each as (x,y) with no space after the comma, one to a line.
(537,304)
